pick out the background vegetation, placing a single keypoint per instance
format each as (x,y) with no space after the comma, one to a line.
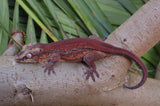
(52,20)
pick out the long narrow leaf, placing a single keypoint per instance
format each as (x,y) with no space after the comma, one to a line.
(31,36)
(150,67)
(69,25)
(43,38)
(35,18)
(88,18)
(152,57)
(51,9)
(99,15)
(70,13)
(128,5)
(4,20)
(16,17)
(42,13)
(116,15)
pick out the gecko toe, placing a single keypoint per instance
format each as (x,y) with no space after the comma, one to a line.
(45,70)
(92,76)
(89,73)
(53,71)
(49,72)
(96,74)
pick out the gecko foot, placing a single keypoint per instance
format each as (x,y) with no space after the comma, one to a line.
(90,72)
(49,67)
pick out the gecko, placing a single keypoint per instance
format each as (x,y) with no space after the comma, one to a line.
(86,50)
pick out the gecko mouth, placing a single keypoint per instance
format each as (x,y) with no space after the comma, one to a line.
(19,59)
(24,60)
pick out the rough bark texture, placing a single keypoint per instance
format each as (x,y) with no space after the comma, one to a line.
(19,82)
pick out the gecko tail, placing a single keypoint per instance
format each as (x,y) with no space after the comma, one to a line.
(119,51)
(136,59)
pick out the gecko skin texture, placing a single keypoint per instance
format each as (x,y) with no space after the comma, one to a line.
(86,50)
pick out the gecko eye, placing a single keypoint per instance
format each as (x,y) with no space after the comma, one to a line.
(29,55)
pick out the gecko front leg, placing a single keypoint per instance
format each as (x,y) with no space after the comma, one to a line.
(89,60)
(51,61)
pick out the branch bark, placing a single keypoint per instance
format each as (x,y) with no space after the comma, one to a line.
(23,83)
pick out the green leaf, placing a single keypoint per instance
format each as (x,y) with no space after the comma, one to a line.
(36,19)
(88,18)
(4,21)
(152,57)
(43,38)
(129,5)
(69,25)
(31,36)
(99,15)
(151,69)
(157,48)
(64,5)
(137,3)
(51,9)
(115,13)
(16,17)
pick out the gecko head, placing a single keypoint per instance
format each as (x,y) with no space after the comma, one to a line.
(29,54)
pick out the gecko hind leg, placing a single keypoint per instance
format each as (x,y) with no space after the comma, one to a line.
(89,61)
